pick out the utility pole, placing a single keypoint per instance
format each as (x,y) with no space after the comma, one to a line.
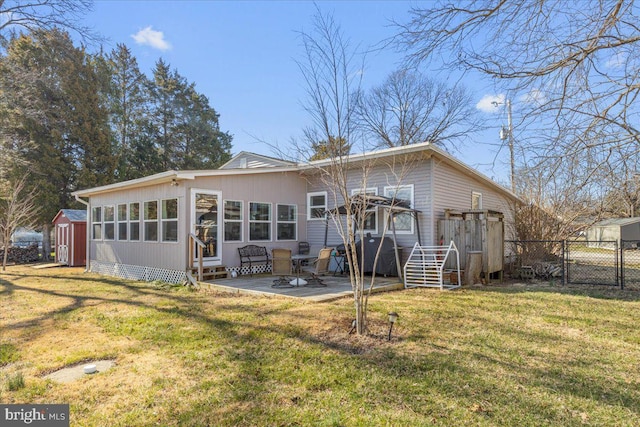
(508,135)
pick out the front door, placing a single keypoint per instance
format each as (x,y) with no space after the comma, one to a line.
(62,243)
(206,223)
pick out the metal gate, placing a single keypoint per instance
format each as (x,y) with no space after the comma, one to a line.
(592,262)
(630,263)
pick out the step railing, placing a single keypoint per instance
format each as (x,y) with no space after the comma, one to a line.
(193,243)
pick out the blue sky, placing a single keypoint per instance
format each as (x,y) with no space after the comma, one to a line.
(241,55)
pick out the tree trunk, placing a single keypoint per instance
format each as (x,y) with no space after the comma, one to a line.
(46,242)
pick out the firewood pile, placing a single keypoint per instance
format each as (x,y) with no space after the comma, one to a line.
(21,255)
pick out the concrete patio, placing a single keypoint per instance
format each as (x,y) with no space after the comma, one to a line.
(260,284)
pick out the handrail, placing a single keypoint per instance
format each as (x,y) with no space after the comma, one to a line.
(194,239)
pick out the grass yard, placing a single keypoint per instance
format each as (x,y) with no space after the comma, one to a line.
(515,355)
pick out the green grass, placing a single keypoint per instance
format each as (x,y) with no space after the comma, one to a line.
(530,355)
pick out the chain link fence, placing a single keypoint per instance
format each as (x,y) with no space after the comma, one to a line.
(575,261)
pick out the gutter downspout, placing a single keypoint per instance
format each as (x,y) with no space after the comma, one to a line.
(87,266)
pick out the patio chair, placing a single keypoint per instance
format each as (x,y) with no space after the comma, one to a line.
(321,267)
(303,249)
(281,266)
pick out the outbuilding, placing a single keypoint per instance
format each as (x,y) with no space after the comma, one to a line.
(71,237)
(604,233)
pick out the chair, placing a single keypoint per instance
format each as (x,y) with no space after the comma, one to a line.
(303,249)
(321,267)
(281,266)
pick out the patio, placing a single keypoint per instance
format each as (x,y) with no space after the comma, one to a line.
(260,284)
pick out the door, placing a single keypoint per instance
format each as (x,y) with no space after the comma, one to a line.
(206,224)
(62,243)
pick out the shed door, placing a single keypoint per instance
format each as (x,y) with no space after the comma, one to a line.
(206,223)
(62,243)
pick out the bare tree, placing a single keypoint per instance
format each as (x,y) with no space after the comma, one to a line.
(332,75)
(17,209)
(408,108)
(573,64)
(19,15)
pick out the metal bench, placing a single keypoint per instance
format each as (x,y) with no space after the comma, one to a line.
(253,255)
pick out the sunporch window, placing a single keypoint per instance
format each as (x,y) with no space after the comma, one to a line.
(232,221)
(259,221)
(151,221)
(96,222)
(134,221)
(109,223)
(371,215)
(286,222)
(122,222)
(170,220)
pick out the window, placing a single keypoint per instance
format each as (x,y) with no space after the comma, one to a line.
(232,221)
(170,220)
(151,221)
(122,222)
(316,205)
(476,200)
(286,222)
(259,221)
(371,215)
(109,223)
(134,221)
(403,222)
(96,222)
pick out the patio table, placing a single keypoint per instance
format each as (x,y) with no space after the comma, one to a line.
(297,265)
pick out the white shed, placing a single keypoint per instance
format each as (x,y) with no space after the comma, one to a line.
(613,229)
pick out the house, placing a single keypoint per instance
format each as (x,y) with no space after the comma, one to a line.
(147,228)
(603,234)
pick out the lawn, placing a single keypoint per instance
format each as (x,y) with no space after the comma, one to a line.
(525,355)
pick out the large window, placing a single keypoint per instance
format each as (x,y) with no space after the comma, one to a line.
(122,222)
(259,221)
(170,220)
(232,221)
(134,221)
(96,222)
(151,221)
(316,205)
(403,222)
(371,215)
(286,222)
(109,223)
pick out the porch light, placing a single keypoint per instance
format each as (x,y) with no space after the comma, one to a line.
(393,317)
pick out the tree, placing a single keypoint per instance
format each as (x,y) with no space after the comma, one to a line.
(54,121)
(573,64)
(408,108)
(128,99)
(332,77)
(29,16)
(18,208)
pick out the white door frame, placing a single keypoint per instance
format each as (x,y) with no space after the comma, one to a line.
(208,261)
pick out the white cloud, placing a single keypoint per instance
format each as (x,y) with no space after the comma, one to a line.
(150,37)
(488,103)
(535,96)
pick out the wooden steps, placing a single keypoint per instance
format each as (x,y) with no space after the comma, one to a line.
(210,273)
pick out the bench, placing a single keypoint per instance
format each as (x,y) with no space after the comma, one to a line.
(253,255)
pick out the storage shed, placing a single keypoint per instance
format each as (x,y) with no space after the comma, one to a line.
(603,233)
(71,237)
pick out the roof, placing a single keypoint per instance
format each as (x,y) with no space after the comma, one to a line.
(617,221)
(247,160)
(265,164)
(73,215)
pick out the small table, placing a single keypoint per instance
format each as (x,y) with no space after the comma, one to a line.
(341,262)
(297,263)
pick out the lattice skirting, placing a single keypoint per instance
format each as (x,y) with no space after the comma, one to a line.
(138,272)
